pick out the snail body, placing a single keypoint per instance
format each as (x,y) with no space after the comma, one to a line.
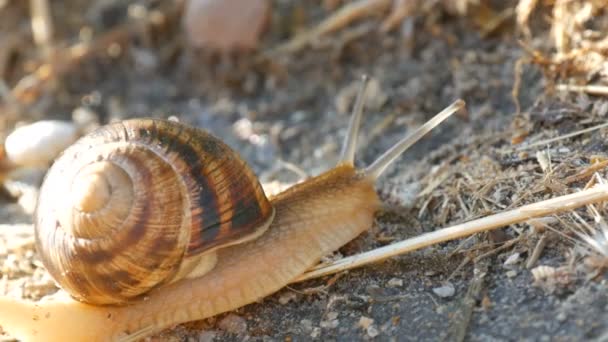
(243,274)
(279,239)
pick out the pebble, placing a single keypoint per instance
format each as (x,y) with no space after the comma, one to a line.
(365,322)
(511,274)
(37,144)
(233,324)
(511,260)
(24,184)
(306,325)
(330,324)
(225,25)
(445,291)
(85,118)
(395,282)
(372,331)
(207,336)
(287,297)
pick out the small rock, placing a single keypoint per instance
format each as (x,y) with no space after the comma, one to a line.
(330,324)
(511,274)
(225,25)
(86,119)
(395,282)
(315,332)
(306,325)
(287,297)
(372,331)
(511,260)
(233,324)
(542,272)
(39,143)
(207,336)
(445,291)
(365,322)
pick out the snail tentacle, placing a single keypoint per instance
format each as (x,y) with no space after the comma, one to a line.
(376,168)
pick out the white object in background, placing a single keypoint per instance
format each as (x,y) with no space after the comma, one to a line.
(40,142)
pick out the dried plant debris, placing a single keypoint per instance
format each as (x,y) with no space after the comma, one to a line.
(577,38)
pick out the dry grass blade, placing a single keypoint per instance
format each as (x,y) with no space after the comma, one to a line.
(559,204)
(524,10)
(589,89)
(339,19)
(562,137)
(42,24)
(596,236)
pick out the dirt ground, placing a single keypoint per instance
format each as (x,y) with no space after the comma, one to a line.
(293,106)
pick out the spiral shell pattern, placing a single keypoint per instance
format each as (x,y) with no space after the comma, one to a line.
(124,207)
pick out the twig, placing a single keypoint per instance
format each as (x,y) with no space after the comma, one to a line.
(42,25)
(590,89)
(586,172)
(521,214)
(461,318)
(562,137)
(538,249)
(492,25)
(517,72)
(339,19)
(401,10)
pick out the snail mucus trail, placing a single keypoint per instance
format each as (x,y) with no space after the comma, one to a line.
(311,220)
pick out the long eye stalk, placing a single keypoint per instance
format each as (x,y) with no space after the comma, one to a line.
(350,142)
(378,167)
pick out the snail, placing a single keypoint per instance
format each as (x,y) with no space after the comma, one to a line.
(209,239)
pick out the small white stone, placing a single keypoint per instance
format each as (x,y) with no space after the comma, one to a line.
(395,282)
(306,325)
(365,322)
(445,291)
(372,331)
(332,315)
(332,324)
(233,324)
(85,118)
(40,142)
(287,297)
(207,336)
(512,260)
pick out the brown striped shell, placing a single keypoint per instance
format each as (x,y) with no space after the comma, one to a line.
(138,204)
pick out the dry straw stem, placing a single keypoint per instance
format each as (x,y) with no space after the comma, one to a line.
(559,204)
(42,24)
(341,18)
(589,89)
(562,137)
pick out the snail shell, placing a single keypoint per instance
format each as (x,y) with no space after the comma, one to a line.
(141,203)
